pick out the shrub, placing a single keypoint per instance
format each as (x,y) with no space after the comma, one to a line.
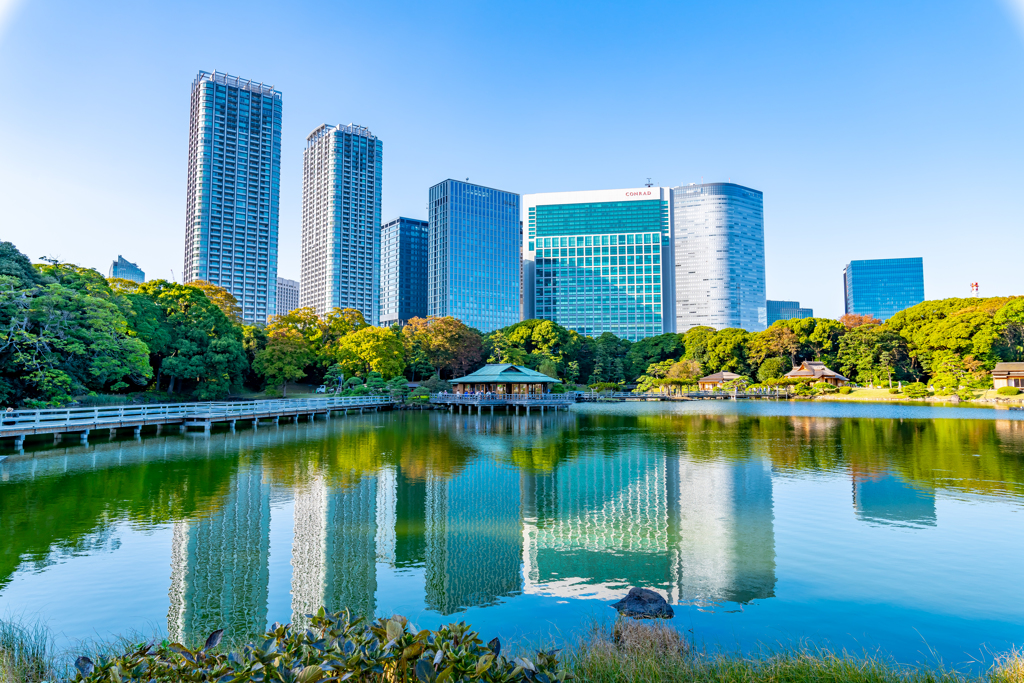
(1008,391)
(894,390)
(916,390)
(605,386)
(557,389)
(334,648)
(420,394)
(825,388)
(773,368)
(845,390)
(435,384)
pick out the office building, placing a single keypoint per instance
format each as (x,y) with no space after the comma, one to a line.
(719,257)
(341,182)
(287,295)
(599,261)
(473,255)
(786,310)
(126,270)
(403,270)
(883,287)
(234,177)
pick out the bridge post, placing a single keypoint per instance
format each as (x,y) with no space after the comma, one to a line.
(182,428)
(527,409)
(542,409)
(19,442)
(208,426)
(159,428)
(492,410)
(277,419)
(137,432)
(255,423)
(56,438)
(232,424)
(113,432)
(85,436)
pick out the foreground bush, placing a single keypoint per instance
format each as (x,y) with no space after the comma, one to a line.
(1007,391)
(334,648)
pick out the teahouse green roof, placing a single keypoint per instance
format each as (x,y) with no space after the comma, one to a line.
(505,373)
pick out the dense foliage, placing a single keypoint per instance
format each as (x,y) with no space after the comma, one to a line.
(333,648)
(67,331)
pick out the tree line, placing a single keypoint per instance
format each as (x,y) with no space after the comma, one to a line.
(67,331)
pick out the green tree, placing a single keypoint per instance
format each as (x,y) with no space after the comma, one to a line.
(652,350)
(727,351)
(449,345)
(284,358)
(371,349)
(773,368)
(224,299)
(695,341)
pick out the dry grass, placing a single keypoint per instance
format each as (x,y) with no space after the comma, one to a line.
(1009,668)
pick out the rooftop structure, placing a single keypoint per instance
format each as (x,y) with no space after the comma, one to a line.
(716,380)
(816,370)
(1008,375)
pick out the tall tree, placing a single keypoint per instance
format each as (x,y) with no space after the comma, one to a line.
(283,359)
(371,349)
(449,344)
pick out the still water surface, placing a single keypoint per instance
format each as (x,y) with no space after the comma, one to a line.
(857,526)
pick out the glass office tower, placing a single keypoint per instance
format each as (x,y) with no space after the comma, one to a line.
(403,270)
(473,255)
(786,310)
(883,287)
(341,183)
(126,270)
(599,261)
(719,257)
(234,179)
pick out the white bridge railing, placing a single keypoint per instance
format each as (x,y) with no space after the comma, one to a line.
(495,397)
(86,418)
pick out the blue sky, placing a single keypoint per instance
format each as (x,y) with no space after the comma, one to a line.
(874,129)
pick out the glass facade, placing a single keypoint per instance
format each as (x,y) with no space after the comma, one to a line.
(883,287)
(234,179)
(598,266)
(125,269)
(719,257)
(341,185)
(473,255)
(403,270)
(786,310)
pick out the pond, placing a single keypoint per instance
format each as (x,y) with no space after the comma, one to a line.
(858,526)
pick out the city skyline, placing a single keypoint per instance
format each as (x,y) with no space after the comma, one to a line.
(826,113)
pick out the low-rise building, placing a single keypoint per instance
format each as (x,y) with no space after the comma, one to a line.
(504,378)
(1008,375)
(818,372)
(712,382)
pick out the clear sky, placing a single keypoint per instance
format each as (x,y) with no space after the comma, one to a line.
(874,128)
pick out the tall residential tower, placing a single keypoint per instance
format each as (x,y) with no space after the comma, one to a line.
(403,270)
(341,182)
(719,257)
(600,261)
(474,258)
(234,176)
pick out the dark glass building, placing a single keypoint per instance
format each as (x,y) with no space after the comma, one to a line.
(883,287)
(234,179)
(473,255)
(403,270)
(786,310)
(126,270)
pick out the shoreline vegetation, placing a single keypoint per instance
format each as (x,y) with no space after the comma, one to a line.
(335,647)
(70,336)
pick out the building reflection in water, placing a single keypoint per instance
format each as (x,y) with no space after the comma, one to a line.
(219,564)
(886,498)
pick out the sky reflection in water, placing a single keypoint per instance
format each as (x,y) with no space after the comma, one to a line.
(862,526)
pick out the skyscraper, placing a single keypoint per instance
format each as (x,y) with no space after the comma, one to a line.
(341,185)
(403,270)
(473,255)
(883,287)
(786,310)
(599,261)
(234,176)
(287,295)
(125,269)
(719,256)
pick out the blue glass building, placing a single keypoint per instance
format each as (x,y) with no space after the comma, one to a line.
(341,185)
(473,269)
(126,270)
(599,261)
(403,270)
(719,257)
(883,287)
(234,179)
(786,310)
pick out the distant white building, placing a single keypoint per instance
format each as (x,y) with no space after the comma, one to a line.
(287,295)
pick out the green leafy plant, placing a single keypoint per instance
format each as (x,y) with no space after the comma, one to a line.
(916,390)
(1007,391)
(557,389)
(845,390)
(894,390)
(334,648)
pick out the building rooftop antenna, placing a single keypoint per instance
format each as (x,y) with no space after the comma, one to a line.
(649,183)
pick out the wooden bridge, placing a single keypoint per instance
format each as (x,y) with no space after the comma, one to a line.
(686,396)
(59,421)
(494,400)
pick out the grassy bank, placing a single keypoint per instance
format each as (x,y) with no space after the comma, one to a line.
(627,652)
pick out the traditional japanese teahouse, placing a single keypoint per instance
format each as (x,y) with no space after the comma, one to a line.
(504,378)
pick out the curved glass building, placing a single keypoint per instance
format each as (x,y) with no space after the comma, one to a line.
(719,256)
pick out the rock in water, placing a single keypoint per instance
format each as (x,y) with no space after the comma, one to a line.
(642,603)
